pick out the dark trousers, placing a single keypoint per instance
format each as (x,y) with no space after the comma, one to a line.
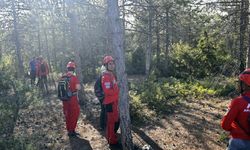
(32,77)
(102,117)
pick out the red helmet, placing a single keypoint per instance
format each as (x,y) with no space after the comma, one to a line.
(245,76)
(107,59)
(71,64)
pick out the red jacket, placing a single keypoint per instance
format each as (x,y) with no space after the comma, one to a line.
(39,72)
(110,88)
(238,112)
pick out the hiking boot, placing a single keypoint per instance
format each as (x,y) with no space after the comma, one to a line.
(115,146)
(73,134)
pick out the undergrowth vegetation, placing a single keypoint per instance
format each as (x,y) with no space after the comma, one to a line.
(162,95)
(15,95)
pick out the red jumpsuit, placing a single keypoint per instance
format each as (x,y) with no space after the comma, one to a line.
(71,108)
(237,114)
(111,96)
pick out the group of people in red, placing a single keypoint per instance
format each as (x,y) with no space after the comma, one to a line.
(237,118)
(39,69)
(110,87)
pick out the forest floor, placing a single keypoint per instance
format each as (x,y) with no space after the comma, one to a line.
(193,125)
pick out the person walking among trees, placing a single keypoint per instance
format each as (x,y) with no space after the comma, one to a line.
(71,108)
(110,102)
(237,118)
(42,73)
(32,66)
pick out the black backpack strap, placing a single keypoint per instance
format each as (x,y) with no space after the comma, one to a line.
(247,98)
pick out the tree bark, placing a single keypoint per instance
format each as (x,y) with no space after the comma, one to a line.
(39,39)
(167,32)
(158,49)
(247,20)
(149,43)
(76,46)
(243,26)
(117,45)
(20,69)
(75,39)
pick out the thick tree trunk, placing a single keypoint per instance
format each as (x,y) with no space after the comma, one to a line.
(117,44)
(243,26)
(75,43)
(149,43)
(20,67)
(247,20)
(75,39)
(76,46)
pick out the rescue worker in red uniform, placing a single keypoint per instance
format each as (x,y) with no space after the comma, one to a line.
(71,108)
(236,119)
(110,102)
(42,72)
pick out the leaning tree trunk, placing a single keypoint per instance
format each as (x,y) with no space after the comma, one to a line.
(117,45)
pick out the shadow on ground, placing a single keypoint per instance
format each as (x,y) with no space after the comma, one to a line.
(77,143)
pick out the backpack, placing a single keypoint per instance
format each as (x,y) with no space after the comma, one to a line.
(98,89)
(64,93)
(43,68)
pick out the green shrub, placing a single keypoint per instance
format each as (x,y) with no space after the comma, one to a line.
(201,61)
(162,94)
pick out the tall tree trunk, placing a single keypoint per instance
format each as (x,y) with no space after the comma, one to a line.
(243,25)
(1,52)
(54,48)
(63,48)
(158,49)
(123,24)
(76,46)
(47,48)
(20,69)
(75,43)
(117,44)
(248,50)
(167,32)
(75,39)
(149,42)
(39,39)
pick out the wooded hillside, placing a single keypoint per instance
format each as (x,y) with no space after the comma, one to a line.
(176,64)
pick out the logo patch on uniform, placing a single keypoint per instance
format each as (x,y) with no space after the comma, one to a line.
(247,109)
(107,85)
